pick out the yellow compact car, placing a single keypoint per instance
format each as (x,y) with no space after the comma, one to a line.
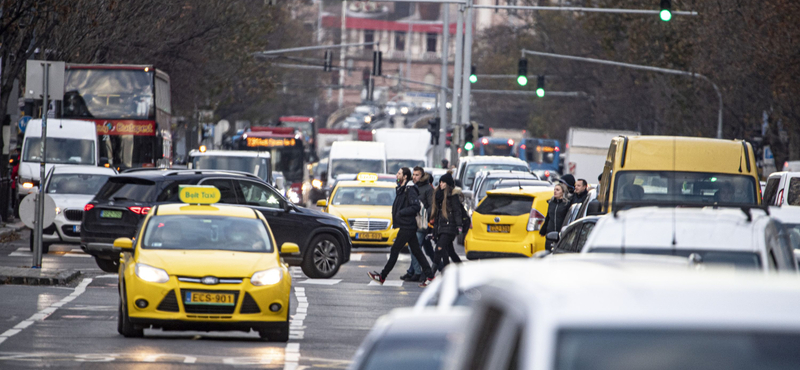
(366,206)
(202,266)
(507,222)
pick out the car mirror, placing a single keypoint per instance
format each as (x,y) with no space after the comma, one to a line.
(126,244)
(322,203)
(468,194)
(552,236)
(593,209)
(103,161)
(287,206)
(290,248)
(542,254)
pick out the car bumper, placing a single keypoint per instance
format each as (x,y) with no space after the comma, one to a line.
(387,237)
(166,307)
(62,230)
(526,247)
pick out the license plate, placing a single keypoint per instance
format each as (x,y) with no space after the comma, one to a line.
(210,298)
(111,214)
(76,228)
(368,236)
(499,228)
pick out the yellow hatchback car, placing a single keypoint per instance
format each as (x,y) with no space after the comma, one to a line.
(202,266)
(506,223)
(366,206)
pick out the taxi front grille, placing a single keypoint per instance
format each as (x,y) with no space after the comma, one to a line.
(368,224)
(249,305)
(169,303)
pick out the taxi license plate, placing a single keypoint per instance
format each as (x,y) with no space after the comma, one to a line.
(210,298)
(110,214)
(368,236)
(76,228)
(498,228)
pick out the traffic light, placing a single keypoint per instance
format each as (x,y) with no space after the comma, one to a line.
(469,136)
(377,60)
(433,128)
(666,10)
(540,86)
(473,78)
(327,65)
(522,72)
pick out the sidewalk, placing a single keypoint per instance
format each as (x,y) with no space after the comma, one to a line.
(27,275)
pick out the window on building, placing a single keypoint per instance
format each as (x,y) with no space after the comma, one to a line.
(431,43)
(369,36)
(399,41)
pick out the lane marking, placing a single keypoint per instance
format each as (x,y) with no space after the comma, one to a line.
(43,314)
(386,283)
(320,281)
(356,257)
(291,354)
(400,257)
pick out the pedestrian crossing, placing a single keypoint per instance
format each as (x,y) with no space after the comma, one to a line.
(74,252)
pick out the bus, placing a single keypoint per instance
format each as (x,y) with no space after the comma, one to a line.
(495,146)
(542,155)
(130,106)
(308,127)
(286,146)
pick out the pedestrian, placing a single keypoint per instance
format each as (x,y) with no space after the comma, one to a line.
(581,192)
(557,209)
(422,181)
(404,213)
(447,220)
(445,163)
(569,180)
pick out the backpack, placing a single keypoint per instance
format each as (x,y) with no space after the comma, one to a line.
(422,217)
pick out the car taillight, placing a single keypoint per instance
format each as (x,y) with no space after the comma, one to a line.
(139,210)
(88,207)
(535,220)
(780,198)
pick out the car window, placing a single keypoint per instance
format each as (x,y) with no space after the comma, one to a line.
(193,232)
(684,187)
(771,190)
(483,341)
(793,199)
(127,188)
(226,190)
(75,183)
(505,205)
(256,194)
(584,234)
(737,260)
(565,244)
(171,192)
(428,352)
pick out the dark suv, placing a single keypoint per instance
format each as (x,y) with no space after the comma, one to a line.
(122,203)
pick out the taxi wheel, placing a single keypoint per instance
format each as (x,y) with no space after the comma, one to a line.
(324,258)
(107,265)
(124,324)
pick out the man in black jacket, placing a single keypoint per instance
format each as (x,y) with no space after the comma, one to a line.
(404,217)
(581,192)
(421,180)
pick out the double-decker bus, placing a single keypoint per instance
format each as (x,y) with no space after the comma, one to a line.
(286,146)
(130,106)
(308,127)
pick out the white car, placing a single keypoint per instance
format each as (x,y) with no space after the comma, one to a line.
(594,317)
(739,238)
(71,187)
(782,189)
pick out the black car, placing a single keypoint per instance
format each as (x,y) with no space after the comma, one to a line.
(120,206)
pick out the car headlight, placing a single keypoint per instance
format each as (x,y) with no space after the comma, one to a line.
(316,183)
(58,210)
(151,274)
(267,277)
(292,195)
(27,185)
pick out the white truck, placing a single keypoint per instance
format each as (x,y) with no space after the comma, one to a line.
(353,157)
(587,149)
(405,147)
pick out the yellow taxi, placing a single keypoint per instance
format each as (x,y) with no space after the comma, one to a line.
(506,223)
(201,266)
(366,206)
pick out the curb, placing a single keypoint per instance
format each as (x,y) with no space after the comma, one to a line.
(27,277)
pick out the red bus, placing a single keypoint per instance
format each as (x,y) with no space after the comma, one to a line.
(308,127)
(286,146)
(131,106)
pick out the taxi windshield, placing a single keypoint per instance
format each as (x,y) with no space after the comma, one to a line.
(738,260)
(684,187)
(364,196)
(197,232)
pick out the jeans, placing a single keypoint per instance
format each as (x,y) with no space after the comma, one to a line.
(445,248)
(415,268)
(407,236)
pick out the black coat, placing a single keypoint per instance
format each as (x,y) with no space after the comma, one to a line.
(406,207)
(450,224)
(425,192)
(579,198)
(557,211)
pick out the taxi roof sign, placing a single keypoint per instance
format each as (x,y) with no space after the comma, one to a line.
(367,177)
(195,194)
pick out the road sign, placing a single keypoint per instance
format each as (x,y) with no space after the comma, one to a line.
(34,87)
(22,123)
(27,210)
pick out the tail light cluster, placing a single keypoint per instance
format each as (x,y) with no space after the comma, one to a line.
(139,210)
(88,207)
(780,197)
(535,220)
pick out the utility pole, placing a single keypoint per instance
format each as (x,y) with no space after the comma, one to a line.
(466,71)
(342,52)
(456,139)
(440,149)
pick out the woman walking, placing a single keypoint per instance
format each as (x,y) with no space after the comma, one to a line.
(446,215)
(557,209)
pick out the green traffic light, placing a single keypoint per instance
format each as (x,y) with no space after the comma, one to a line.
(666,15)
(540,92)
(468,146)
(522,80)
(473,79)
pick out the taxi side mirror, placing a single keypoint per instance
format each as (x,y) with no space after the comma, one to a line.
(322,203)
(289,248)
(126,244)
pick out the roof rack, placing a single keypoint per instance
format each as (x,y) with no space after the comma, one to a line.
(210,171)
(744,207)
(140,169)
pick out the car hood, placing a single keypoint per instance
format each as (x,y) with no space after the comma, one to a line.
(70,201)
(208,263)
(346,212)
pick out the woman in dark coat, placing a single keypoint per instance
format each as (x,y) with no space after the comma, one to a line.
(446,215)
(557,210)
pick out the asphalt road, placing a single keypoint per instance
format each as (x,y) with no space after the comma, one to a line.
(75,327)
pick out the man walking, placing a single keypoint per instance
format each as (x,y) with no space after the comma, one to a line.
(581,191)
(421,180)
(404,217)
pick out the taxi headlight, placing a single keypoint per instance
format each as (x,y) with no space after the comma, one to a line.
(267,277)
(151,274)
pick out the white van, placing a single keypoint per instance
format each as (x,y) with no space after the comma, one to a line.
(257,163)
(71,142)
(355,157)
(405,147)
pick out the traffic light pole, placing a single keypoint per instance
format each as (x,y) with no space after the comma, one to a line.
(465,97)
(641,67)
(582,9)
(456,138)
(440,150)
